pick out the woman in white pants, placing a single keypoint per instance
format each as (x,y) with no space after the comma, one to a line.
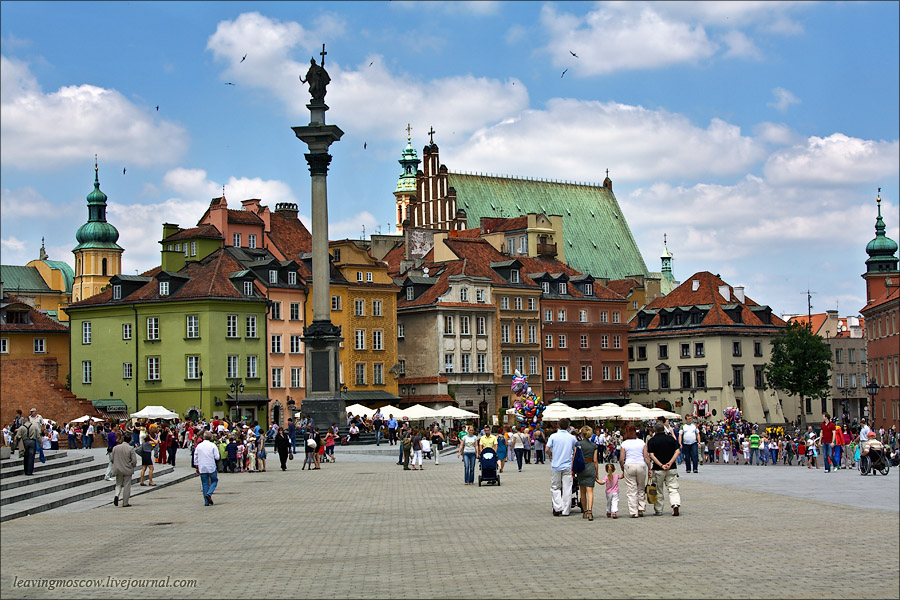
(437,443)
(417,450)
(635,464)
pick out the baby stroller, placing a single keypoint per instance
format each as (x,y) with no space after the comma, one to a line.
(488,464)
(875,460)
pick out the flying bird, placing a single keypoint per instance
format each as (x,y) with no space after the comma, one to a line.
(371,63)
(228,83)
(563,74)
(123,170)
(244,58)
(365,144)
(157,108)
(573,54)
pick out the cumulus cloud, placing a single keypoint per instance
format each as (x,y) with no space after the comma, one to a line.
(740,45)
(834,160)
(635,143)
(27,202)
(464,8)
(41,130)
(372,100)
(783,99)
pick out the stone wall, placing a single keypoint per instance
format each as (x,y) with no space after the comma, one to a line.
(27,383)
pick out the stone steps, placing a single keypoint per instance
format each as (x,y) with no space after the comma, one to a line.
(76,466)
(6,466)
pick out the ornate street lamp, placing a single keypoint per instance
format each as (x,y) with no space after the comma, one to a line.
(409,390)
(559,393)
(872,389)
(236,390)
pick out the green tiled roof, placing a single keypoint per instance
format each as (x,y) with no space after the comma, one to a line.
(18,279)
(67,272)
(596,238)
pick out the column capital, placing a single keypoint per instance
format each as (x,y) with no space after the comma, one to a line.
(318,163)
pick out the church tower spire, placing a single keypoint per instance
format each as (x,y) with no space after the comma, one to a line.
(406,183)
(667,262)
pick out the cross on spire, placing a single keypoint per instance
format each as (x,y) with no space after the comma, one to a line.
(322,54)
(223,191)
(607,172)
(664,239)
(409,134)
(431,133)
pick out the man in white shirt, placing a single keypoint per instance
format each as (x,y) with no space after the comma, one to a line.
(562,448)
(205,456)
(689,440)
(864,433)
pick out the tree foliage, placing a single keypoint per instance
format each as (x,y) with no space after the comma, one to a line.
(801,363)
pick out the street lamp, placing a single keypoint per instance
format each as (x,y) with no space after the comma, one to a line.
(201,393)
(559,393)
(624,393)
(236,389)
(410,390)
(484,391)
(872,389)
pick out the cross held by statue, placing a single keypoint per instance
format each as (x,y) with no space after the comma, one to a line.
(322,54)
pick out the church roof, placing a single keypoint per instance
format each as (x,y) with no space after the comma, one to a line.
(596,237)
(23,280)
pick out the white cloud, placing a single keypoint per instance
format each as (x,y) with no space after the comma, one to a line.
(783,99)
(12,243)
(352,227)
(835,160)
(740,45)
(464,7)
(516,33)
(371,100)
(45,130)
(27,202)
(776,133)
(635,143)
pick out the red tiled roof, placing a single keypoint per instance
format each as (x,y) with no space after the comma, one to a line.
(473,233)
(243,217)
(202,231)
(39,321)
(890,295)
(514,224)
(623,287)
(289,235)
(817,320)
(393,257)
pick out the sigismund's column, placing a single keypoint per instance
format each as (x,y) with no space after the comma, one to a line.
(322,338)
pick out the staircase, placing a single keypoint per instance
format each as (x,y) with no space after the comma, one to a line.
(66,478)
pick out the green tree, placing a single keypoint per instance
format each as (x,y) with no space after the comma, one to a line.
(800,365)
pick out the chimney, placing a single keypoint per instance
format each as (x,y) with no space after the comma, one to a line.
(739,293)
(725,292)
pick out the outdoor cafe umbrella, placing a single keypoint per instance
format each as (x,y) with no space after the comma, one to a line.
(85,418)
(359,409)
(659,412)
(635,412)
(418,412)
(155,412)
(451,412)
(559,410)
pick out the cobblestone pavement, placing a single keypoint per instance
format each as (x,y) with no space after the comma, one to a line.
(363,527)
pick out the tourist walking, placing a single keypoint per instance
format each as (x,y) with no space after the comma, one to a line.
(562,449)
(539,443)
(205,455)
(689,440)
(828,429)
(519,437)
(147,460)
(309,446)
(392,430)
(416,442)
(437,443)
(468,445)
(588,476)
(502,448)
(261,454)
(612,490)
(283,448)
(123,461)
(635,463)
(663,453)
(29,435)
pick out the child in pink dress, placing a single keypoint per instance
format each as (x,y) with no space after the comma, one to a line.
(612,490)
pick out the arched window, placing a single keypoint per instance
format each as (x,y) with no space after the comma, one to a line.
(103,267)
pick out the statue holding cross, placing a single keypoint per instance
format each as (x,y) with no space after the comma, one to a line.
(317,78)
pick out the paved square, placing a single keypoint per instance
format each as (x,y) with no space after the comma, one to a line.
(363,528)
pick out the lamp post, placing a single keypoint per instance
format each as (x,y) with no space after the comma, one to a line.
(872,389)
(409,390)
(484,391)
(624,393)
(845,405)
(559,393)
(237,389)
(200,405)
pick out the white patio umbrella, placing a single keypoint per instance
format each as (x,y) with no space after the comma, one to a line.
(600,412)
(389,410)
(155,412)
(635,412)
(85,418)
(558,410)
(451,412)
(417,412)
(659,412)
(359,409)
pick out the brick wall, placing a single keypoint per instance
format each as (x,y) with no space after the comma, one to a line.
(31,383)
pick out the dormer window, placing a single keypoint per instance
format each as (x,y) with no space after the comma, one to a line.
(292,278)
(163,288)
(561,287)
(464,294)
(248,288)
(336,253)
(545,287)
(273,276)
(410,293)
(514,276)
(117,292)
(369,276)
(251,240)
(359,276)
(479,296)
(588,289)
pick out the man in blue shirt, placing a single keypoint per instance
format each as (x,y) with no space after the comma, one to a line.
(392,429)
(562,447)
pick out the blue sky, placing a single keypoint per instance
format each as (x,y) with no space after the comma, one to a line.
(753,134)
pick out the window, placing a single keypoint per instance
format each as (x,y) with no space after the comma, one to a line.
(532,304)
(562,341)
(618,373)
(549,373)
(685,350)
(4,346)
(838,355)
(759,381)
(563,373)
(664,380)
(686,379)
(185,250)
(504,303)
(604,341)
(511,245)
(700,379)
(482,326)
(378,340)
(588,289)
(561,287)
(604,316)
(738,380)
(464,325)
(520,364)
(642,352)
(86,374)
(523,244)
(251,241)
(605,371)
(273,275)
(231,366)
(369,276)
(152,328)
(359,307)
(548,315)
(698,349)
(193,367)
(276,377)
(532,365)
(231,326)
(584,341)
(448,324)
(464,294)
(252,372)
(853,380)
(851,355)
(335,303)
(295,311)
(40,345)
(275,343)
(617,342)
(642,381)
(292,278)
(126,331)
(378,374)
(236,240)
(548,341)
(86,332)
(336,253)
(532,334)
(127,370)
(296,344)
(587,372)
(163,288)
(248,288)
(504,334)
(757,349)
(561,316)
(359,276)
(505,366)
(153,368)
(479,296)
(360,339)
(402,366)
(736,348)
(520,331)
(296,377)
(193,248)
(448,363)
(545,287)
(410,293)
(615,316)
(117,292)
(276,311)
(376,308)
(192,326)
(839,380)
(466,363)
(481,363)
(582,316)
(400,330)
(518,303)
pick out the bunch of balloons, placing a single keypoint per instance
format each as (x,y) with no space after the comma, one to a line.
(528,405)
(732,415)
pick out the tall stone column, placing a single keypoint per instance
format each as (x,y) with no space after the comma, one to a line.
(322,338)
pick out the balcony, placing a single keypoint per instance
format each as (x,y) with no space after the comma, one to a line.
(546,249)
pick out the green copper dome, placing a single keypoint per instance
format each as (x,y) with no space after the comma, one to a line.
(881,249)
(409,160)
(97,233)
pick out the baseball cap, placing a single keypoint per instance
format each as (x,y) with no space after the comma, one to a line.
(33,410)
